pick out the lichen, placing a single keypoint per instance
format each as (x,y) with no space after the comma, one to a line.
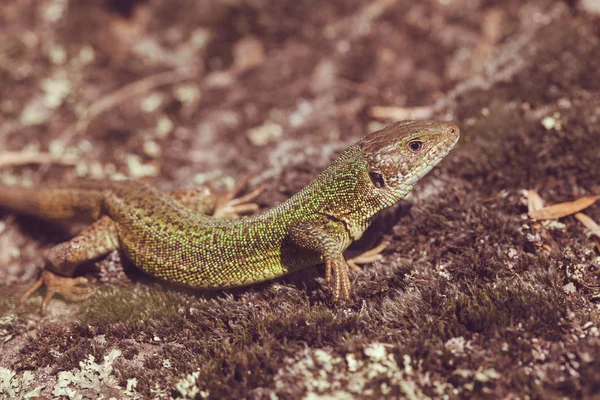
(91,378)
(188,389)
(14,385)
(372,372)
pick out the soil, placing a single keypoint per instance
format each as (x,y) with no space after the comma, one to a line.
(473,298)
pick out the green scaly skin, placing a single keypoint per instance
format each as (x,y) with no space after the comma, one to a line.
(173,242)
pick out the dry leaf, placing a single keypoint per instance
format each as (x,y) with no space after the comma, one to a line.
(534,201)
(589,223)
(563,209)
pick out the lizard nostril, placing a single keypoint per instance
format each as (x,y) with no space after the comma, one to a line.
(453,130)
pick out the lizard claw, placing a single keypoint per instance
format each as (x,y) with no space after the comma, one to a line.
(74,289)
(231,204)
(368,256)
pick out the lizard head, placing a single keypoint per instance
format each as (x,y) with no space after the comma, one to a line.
(402,153)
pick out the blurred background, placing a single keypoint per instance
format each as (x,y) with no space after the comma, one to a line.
(474,299)
(142,88)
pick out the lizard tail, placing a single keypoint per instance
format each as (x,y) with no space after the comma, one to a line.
(53,203)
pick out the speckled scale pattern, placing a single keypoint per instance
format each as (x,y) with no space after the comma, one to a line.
(179,244)
(199,251)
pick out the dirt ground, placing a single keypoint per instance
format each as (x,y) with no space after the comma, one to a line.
(473,299)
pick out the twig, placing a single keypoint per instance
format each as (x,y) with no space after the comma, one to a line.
(14,158)
(400,113)
(117,97)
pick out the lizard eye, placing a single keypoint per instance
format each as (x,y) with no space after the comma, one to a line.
(377,179)
(415,146)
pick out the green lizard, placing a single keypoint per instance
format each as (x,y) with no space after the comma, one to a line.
(169,237)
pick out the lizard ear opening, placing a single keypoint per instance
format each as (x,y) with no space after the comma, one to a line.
(377,179)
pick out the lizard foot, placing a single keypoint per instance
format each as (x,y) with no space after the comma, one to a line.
(368,256)
(229,205)
(74,289)
(341,281)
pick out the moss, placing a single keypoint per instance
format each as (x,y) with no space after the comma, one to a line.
(59,346)
(241,341)
(494,309)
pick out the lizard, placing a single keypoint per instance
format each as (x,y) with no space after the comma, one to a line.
(170,237)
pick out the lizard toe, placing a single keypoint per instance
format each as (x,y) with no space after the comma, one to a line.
(74,289)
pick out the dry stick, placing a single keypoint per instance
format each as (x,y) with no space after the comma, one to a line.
(16,158)
(107,102)
(13,158)
(117,97)
(358,87)
(400,113)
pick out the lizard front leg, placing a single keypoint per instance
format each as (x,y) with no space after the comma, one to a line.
(97,240)
(311,237)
